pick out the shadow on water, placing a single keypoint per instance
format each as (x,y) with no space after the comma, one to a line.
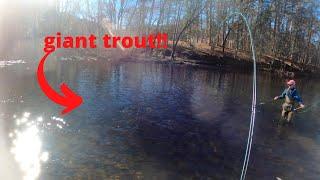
(190,147)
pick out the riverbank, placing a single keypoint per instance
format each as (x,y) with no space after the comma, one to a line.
(223,62)
(198,56)
(201,58)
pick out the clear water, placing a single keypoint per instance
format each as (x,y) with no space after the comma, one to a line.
(152,121)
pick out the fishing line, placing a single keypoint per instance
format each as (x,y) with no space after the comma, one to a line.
(254,96)
(253,105)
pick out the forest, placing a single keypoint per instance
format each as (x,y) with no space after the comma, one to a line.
(285,32)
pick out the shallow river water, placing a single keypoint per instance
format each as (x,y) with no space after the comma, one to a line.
(152,121)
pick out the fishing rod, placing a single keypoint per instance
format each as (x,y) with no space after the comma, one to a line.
(308,108)
(265,102)
(303,110)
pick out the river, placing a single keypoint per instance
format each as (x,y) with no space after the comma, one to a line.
(152,121)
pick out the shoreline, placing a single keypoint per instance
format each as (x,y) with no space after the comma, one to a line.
(220,63)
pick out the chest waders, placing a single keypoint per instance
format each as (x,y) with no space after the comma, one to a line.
(287,109)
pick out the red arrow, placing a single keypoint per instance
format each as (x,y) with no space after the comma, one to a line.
(69,99)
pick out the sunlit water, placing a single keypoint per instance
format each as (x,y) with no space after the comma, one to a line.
(151,121)
(5,63)
(26,143)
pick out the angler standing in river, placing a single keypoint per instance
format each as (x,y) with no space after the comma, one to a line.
(291,96)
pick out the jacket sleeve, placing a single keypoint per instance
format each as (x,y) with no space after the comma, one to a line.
(283,94)
(297,98)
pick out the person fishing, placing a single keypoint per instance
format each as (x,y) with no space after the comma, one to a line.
(291,96)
